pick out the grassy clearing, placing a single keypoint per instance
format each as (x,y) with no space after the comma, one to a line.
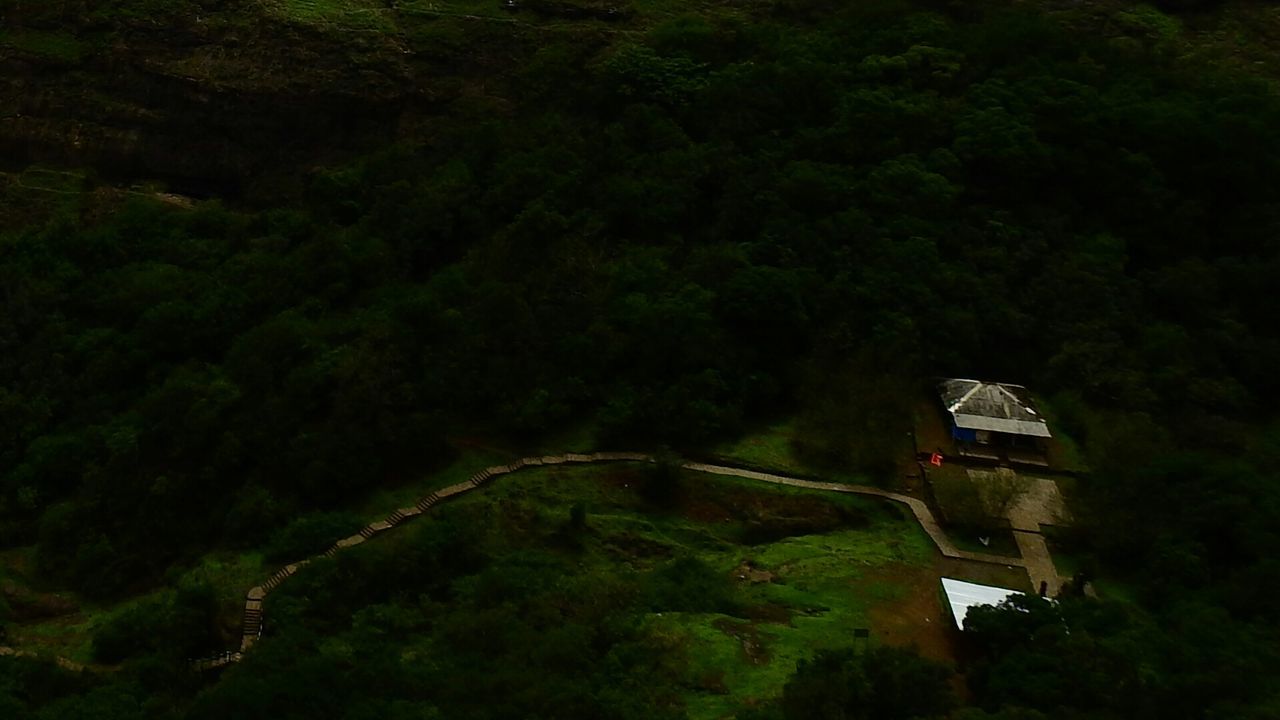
(340,15)
(819,585)
(71,635)
(232,574)
(139,9)
(479,8)
(57,46)
(999,541)
(809,591)
(772,447)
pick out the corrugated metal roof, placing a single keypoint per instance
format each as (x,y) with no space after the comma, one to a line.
(963,595)
(997,407)
(1016,427)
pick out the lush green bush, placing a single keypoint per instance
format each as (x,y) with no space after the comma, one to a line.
(882,683)
(177,625)
(687,584)
(309,535)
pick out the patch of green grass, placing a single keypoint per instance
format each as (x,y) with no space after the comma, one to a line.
(479,8)
(769,446)
(71,636)
(823,586)
(840,555)
(59,46)
(772,448)
(853,500)
(1000,542)
(828,583)
(340,15)
(1145,21)
(232,574)
(139,9)
(824,582)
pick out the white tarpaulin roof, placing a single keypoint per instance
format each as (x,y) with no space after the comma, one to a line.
(964,595)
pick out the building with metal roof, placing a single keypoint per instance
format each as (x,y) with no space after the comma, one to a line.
(976,405)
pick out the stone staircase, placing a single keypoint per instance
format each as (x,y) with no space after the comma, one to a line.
(253,618)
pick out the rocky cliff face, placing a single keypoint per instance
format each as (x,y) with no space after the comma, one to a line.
(203,103)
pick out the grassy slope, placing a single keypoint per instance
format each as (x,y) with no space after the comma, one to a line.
(816,572)
(231,572)
(71,635)
(771,447)
(825,585)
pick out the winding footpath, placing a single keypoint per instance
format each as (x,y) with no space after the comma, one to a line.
(1034,561)
(253,606)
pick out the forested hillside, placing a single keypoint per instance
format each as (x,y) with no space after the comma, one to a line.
(666,227)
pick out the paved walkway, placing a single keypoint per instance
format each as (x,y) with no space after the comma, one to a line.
(1038,561)
(917,506)
(1034,553)
(1038,503)
(253,612)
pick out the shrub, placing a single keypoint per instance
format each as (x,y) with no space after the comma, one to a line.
(688,584)
(309,535)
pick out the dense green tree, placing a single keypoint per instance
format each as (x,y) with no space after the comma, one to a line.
(884,682)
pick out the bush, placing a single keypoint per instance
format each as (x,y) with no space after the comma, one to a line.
(310,535)
(885,683)
(130,632)
(179,624)
(662,484)
(853,417)
(688,584)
